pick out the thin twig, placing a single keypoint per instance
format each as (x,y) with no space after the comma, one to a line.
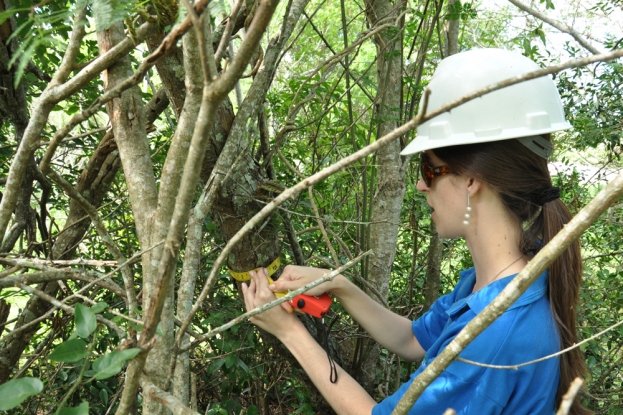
(27,263)
(336,261)
(558,25)
(516,367)
(69,309)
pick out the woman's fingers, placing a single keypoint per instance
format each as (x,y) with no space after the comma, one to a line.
(248,296)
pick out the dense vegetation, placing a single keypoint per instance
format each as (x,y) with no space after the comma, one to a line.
(327,80)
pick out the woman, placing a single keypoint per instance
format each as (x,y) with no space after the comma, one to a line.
(484,172)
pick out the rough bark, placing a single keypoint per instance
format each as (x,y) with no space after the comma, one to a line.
(58,89)
(171,71)
(390,190)
(214,92)
(128,123)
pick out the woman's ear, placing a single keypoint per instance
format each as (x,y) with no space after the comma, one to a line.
(474,186)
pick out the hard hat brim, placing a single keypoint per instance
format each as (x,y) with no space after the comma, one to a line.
(420,144)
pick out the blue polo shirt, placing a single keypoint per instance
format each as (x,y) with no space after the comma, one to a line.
(525,332)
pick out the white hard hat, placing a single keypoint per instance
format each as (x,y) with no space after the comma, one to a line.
(527,109)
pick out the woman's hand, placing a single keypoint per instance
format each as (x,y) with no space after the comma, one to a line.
(277,320)
(294,277)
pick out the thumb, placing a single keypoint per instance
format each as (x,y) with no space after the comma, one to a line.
(280,286)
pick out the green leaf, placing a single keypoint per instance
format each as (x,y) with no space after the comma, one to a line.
(16,391)
(111,363)
(72,109)
(82,409)
(85,321)
(8,13)
(69,351)
(243,365)
(216,365)
(104,396)
(230,360)
(99,307)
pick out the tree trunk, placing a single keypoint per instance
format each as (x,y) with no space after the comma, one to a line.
(390,190)
(433,268)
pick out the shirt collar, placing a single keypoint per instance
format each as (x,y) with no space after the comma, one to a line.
(482,298)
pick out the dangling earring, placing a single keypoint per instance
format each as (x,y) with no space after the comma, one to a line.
(467,214)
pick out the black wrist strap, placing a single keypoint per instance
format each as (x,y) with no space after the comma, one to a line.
(333,375)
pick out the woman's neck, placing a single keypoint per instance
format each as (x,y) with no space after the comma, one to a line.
(494,246)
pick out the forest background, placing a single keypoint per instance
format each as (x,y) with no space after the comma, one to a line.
(147,147)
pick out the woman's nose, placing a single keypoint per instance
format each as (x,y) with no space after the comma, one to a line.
(421,186)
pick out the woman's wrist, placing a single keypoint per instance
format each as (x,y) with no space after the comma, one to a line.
(292,333)
(338,285)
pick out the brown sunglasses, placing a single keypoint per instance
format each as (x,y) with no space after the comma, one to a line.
(429,172)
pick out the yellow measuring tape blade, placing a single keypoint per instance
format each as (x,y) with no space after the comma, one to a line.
(245,276)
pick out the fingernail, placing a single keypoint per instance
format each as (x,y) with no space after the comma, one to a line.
(271,286)
(252,273)
(265,271)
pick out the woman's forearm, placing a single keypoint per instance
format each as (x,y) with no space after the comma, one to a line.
(389,329)
(345,396)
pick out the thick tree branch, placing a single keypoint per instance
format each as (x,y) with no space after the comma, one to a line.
(235,145)
(30,139)
(214,93)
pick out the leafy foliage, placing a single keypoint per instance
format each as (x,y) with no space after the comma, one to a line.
(325,113)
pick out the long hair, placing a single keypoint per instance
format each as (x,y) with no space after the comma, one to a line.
(520,177)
